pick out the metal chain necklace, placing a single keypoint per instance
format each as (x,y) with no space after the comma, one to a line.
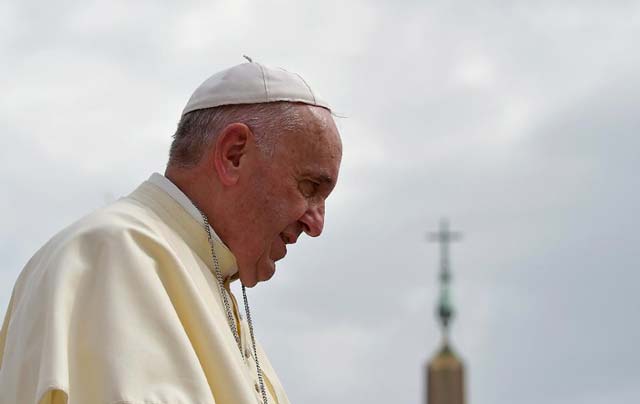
(230,318)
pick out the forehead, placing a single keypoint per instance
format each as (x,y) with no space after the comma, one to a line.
(315,150)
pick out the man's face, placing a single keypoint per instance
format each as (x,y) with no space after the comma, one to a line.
(287,195)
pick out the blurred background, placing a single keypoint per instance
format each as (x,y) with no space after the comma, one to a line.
(517,120)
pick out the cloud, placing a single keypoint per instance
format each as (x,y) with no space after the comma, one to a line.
(516,120)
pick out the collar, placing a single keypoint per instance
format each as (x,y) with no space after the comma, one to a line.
(162,194)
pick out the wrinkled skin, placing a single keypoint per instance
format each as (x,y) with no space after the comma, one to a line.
(259,204)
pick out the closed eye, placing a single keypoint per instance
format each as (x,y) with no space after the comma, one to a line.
(309,188)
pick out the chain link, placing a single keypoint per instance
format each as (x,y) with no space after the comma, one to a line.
(227,306)
(253,343)
(218,273)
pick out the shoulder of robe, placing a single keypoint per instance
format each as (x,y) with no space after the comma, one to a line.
(81,248)
(92,315)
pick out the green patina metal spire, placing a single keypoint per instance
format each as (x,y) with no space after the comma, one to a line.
(445,308)
(445,371)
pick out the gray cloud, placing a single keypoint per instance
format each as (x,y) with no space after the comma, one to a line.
(516,120)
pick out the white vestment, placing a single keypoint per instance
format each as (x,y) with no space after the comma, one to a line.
(122,307)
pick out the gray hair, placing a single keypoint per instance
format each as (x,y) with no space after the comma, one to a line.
(199,128)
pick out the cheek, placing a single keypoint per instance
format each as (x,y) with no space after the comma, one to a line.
(282,205)
(269,221)
(285,206)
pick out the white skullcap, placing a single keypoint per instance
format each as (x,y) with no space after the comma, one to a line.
(252,83)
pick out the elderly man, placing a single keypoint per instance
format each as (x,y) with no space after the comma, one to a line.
(132,303)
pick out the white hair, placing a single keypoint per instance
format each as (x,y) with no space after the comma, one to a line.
(199,128)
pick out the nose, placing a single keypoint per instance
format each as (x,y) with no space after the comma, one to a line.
(313,220)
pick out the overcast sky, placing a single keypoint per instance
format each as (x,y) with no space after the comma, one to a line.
(519,121)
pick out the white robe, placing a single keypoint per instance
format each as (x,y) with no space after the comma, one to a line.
(122,307)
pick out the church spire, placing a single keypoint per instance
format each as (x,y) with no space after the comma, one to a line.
(445,372)
(445,306)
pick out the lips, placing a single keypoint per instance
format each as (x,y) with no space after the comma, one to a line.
(281,251)
(290,236)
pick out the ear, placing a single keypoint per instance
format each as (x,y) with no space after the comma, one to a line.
(230,151)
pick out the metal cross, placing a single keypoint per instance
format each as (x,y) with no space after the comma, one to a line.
(444,237)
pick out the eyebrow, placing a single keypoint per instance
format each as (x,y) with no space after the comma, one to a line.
(323,178)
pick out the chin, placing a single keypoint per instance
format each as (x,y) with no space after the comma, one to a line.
(266,272)
(263,272)
(248,281)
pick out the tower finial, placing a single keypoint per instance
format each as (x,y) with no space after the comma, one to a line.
(445,306)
